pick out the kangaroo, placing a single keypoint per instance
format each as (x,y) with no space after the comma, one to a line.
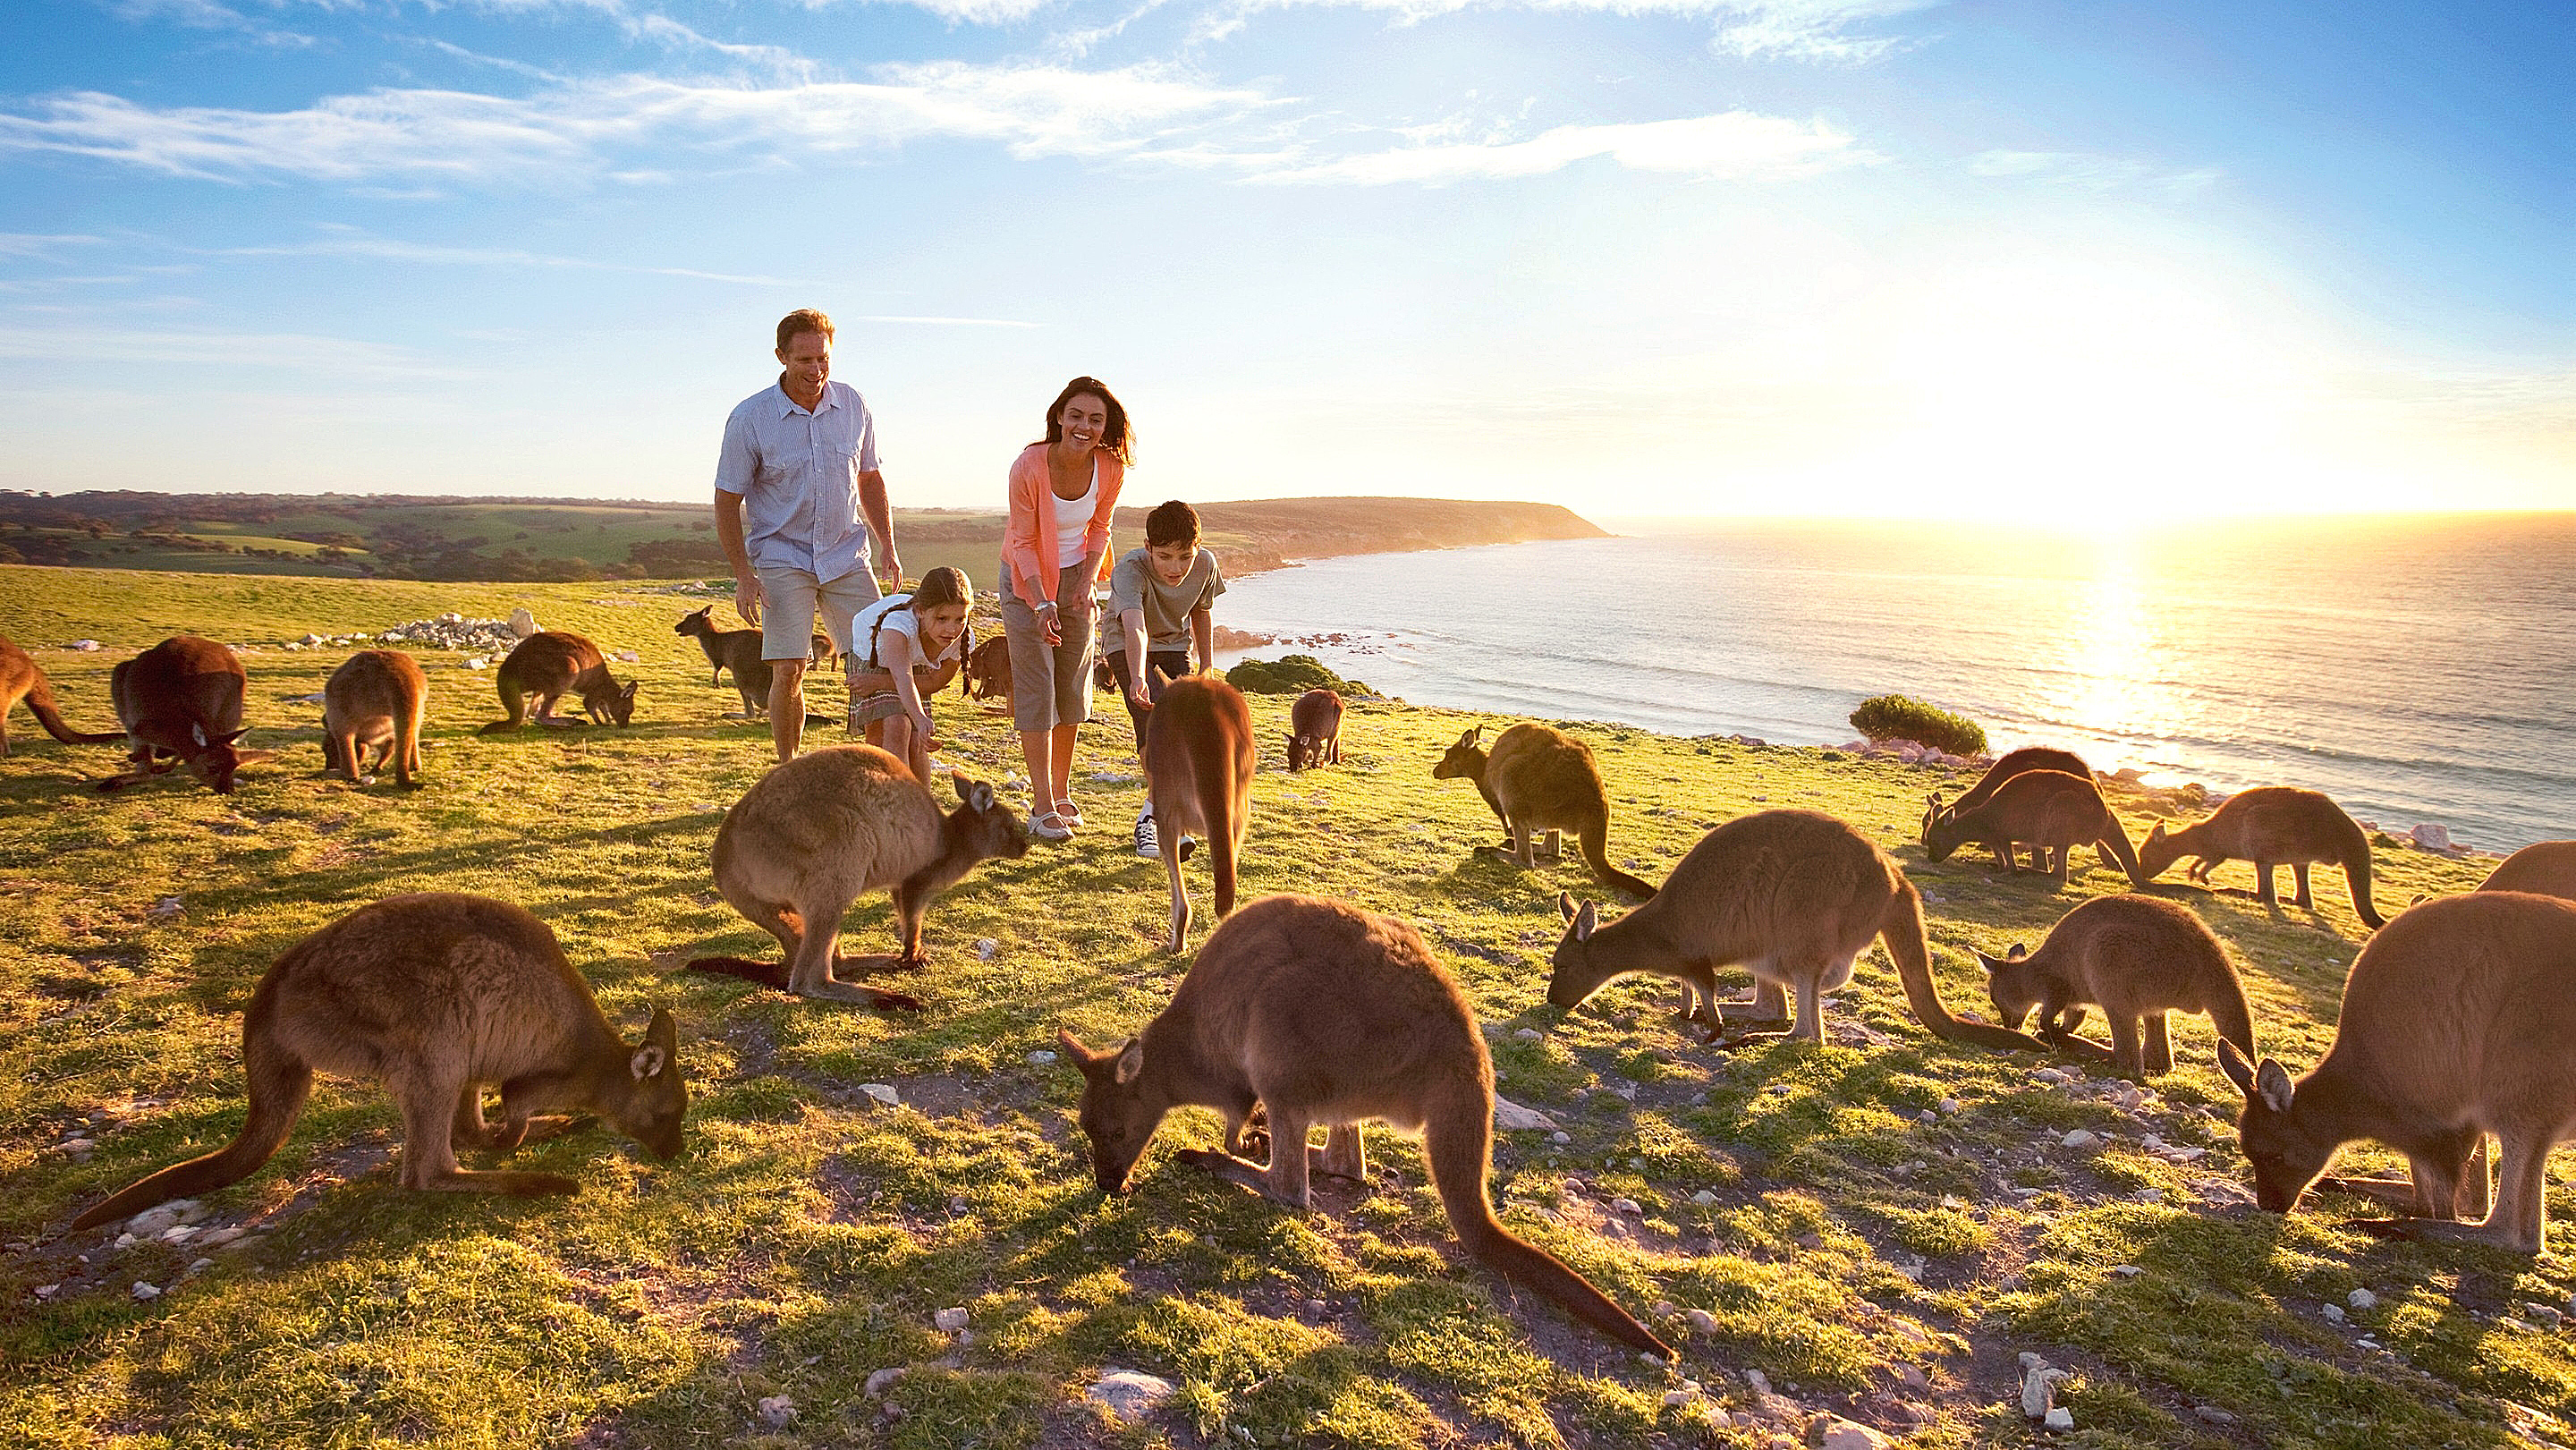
(1198,763)
(1322,1013)
(2268,826)
(816,833)
(2135,957)
(737,650)
(2547,868)
(1794,896)
(436,995)
(182,698)
(2029,757)
(2050,809)
(988,670)
(550,662)
(377,700)
(2459,1019)
(1541,779)
(1315,730)
(20,679)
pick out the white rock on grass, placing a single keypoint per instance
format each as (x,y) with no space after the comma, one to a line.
(1041,1058)
(882,1093)
(882,1381)
(2060,1418)
(777,1412)
(950,1320)
(2362,1299)
(1836,1433)
(1512,1116)
(2081,1139)
(144,1290)
(2039,1384)
(1701,1321)
(2333,1313)
(1704,1198)
(1127,1394)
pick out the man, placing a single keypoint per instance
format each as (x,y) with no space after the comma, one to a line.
(800,458)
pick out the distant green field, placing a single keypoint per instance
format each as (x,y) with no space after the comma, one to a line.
(1878,1225)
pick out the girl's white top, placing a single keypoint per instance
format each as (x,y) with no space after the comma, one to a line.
(893,615)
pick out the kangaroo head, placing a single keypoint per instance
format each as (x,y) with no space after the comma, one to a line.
(621,705)
(1296,752)
(988,827)
(1933,813)
(1116,1116)
(2286,1154)
(2012,984)
(1463,758)
(656,1097)
(2157,851)
(702,622)
(216,758)
(1942,834)
(1575,977)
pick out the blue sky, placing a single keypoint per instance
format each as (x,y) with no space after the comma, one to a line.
(1771,256)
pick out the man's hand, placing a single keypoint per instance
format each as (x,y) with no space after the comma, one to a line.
(890,572)
(746,598)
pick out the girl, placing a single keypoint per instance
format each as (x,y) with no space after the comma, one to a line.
(903,647)
(1062,490)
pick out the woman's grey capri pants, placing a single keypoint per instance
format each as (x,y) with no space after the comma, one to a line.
(1050,685)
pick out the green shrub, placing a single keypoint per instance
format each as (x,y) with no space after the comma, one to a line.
(1898,717)
(1291,675)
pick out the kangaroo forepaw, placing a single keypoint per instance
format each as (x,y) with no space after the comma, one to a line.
(893,1001)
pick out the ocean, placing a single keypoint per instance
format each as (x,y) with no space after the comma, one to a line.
(2416,670)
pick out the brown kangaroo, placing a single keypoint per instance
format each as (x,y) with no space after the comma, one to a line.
(1315,730)
(1794,896)
(988,670)
(436,995)
(2029,757)
(2270,825)
(816,833)
(549,663)
(1198,775)
(2135,957)
(182,698)
(2547,868)
(1538,779)
(738,650)
(2050,809)
(375,700)
(20,679)
(2459,1019)
(1322,1013)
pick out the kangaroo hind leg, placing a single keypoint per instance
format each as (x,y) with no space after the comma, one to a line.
(432,1102)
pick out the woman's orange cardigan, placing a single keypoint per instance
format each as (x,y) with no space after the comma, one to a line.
(1028,535)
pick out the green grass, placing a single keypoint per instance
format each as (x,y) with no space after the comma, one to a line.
(807,1237)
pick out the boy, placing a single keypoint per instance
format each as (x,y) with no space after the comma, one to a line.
(1159,598)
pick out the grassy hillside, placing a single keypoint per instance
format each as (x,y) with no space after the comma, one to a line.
(1878,1226)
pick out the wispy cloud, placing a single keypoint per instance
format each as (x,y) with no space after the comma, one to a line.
(209,15)
(393,250)
(1828,31)
(1734,145)
(127,346)
(2088,171)
(44,244)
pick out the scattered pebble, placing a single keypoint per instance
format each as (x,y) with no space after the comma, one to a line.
(882,1093)
(1833,1432)
(1950,1105)
(143,1290)
(949,1321)
(1512,1116)
(1041,1058)
(2333,1313)
(777,1412)
(1128,1395)
(2127,1271)
(198,1267)
(2080,1139)
(882,1381)
(1626,1206)
(2060,1418)
(2213,1414)
(47,1291)
(1704,1198)
(1560,1137)
(1701,1321)
(2362,1299)
(2542,1313)
(1530,1034)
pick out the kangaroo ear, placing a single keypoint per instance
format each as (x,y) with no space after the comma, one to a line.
(1074,1052)
(2238,1070)
(661,1044)
(1131,1060)
(199,732)
(231,739)
(2017,953)
(2273,1081)
(1472,736)
(1586,921)
(1565,904)
(1987,962)
(2156,832)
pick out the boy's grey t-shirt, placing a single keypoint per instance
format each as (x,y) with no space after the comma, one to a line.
(1133,585)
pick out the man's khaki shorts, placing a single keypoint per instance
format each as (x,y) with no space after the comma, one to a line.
(790,599)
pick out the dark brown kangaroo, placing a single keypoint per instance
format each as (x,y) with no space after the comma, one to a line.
(2458,1020)
(1794,897)
(375,701)
(1315,730)
(816,833)
(182,698)
(1198,763)
(550,664)
(2028,758)
(20,679)
(436,995)
(1538,779)
(988,670)
(2271,826)
(1321,1013)
(2135,957)
(2050,809)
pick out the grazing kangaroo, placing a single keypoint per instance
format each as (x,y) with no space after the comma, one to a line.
(2050,809)
(2547,868)
(2271,825)
(988,670)
(1198,763)
(1794,896)
(1322,1013)
(436,995)
(182,698)
(2135,957)
(20,679)
(816,833)
(375,700)
(1538,779)
(1315,730)
(2458,1020)
(2029,757)
(549,663)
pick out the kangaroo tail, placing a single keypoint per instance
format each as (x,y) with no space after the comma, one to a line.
(1595,841)
(2356,874)
(1911,947)
(513,703)
(40,703)
(1458,1140)
(278,1083)
(2114,843)
(1216,779)
(767,974)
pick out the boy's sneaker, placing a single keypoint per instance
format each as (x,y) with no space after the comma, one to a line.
(1147,844)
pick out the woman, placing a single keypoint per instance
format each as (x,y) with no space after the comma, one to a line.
(1053,546)
(904,648)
